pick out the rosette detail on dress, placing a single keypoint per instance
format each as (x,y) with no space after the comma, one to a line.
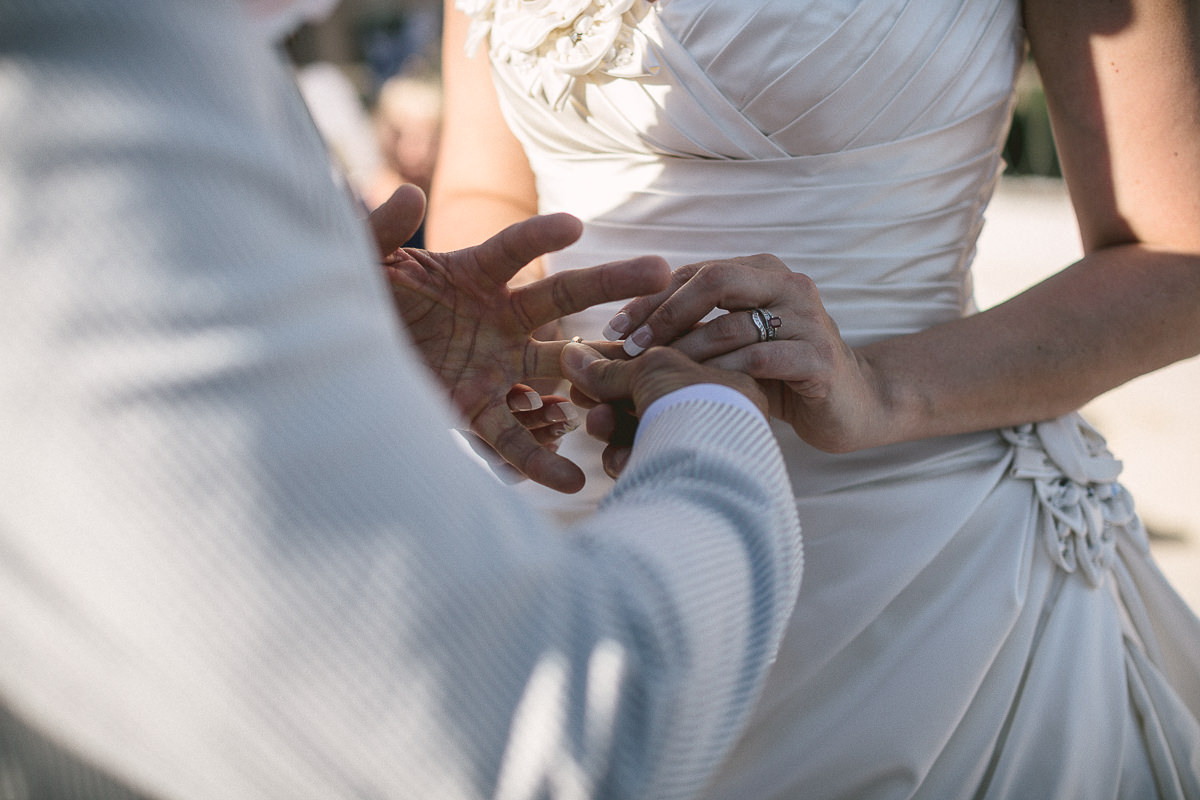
(1084,507)
(555,43)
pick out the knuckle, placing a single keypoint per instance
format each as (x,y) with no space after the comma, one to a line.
(804,285)
(766,261)
(530,361)
(563,295)
(684,274)
(713,276)
(727,329)
(666,317)
(510,439)
(825,353)
(759,360)
(659,358)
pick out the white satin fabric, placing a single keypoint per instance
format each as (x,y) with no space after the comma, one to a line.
(980,616)
(239,556)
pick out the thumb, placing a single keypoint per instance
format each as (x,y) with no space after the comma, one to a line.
(398,218)
(600,378)
(655,373)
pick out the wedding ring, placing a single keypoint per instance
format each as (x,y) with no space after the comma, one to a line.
(759,324)
(577,339)
(766,323)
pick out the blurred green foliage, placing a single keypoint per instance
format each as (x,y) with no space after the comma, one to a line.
(1029,149)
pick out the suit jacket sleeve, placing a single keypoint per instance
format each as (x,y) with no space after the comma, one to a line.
(241,557)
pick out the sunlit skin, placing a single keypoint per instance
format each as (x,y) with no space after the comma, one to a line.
(1122,83)
(474,331)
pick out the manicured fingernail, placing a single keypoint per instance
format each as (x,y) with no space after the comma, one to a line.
(527,401)
(565,413)
(639,341)
(616,327)
(578,356)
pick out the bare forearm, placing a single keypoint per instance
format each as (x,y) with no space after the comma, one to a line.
(483,182)
(463,218)
(1123,89)
(1117,314)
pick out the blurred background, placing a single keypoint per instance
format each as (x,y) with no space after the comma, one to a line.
(371,76)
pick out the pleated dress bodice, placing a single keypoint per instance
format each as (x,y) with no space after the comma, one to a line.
(857,141)
(959,592)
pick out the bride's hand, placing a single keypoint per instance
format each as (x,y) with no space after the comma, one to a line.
(549,417)
(813,379)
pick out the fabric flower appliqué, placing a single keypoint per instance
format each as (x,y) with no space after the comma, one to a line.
(554,43)
(1084,508)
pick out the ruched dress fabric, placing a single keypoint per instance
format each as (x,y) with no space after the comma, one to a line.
(980,616)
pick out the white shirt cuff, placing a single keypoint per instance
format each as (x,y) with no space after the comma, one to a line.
(712,392)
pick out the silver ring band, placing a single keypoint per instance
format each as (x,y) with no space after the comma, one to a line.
(766,323)
(760,324)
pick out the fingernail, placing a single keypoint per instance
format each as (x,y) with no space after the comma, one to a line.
(578,356)
(614,460)
(616,327)
(566,413)
(639,341)
(527,401)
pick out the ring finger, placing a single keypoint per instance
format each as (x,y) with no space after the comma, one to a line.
(733,284)
(732,331)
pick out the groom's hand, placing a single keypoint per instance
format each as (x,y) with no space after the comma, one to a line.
(394,222)
(474,332)
(619,390)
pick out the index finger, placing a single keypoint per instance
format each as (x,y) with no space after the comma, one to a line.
(505,254)
(698,290)
(574,290)
(634,313)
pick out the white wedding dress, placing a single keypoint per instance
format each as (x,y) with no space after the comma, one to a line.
(979,616)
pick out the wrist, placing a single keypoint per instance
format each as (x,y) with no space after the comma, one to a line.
(897,406)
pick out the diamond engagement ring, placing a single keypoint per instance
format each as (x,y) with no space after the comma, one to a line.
(766,323)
